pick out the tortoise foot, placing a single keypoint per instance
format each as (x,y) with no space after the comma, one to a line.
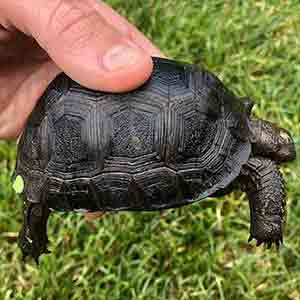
(33,239)
(264,185)
(267,231)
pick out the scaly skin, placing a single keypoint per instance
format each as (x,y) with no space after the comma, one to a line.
(33,237)
(262,182)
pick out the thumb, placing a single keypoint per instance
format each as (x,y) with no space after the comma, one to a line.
(82,43)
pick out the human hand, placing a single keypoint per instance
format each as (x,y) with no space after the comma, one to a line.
(85,39)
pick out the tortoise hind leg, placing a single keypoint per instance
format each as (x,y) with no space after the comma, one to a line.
(33,237)
(264,186)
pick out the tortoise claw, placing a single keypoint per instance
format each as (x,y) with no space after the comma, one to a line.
(24,255)
(36,259)
(281,240)
(258,243)
(268,243)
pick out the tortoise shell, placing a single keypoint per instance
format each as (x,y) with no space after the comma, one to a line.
(180,137)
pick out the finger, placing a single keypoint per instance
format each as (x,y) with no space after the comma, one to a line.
(82,43)
(127,29)
(30,83)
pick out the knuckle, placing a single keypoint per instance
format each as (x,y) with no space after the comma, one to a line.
(64,15)
(71,23)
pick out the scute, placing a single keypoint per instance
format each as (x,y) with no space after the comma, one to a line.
(198,137)
(68,146)
(73,137)
(170,74)
(171,142)
(133,133)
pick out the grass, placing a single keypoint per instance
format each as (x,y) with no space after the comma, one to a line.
(199,251)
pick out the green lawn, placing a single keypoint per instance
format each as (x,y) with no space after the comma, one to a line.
(199,251)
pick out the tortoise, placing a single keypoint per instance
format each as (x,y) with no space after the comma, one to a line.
(179,138)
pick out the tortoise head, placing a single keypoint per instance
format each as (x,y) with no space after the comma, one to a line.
(270,140)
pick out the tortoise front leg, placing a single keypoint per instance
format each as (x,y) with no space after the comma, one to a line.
(33,237)
(264,186)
